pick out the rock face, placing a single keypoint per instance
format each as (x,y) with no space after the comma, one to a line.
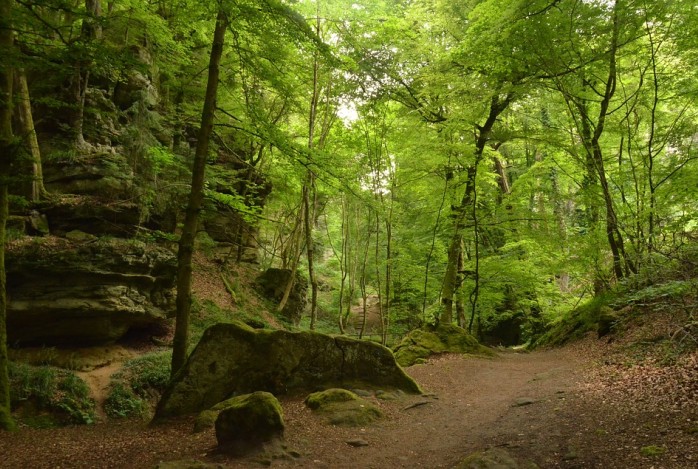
(249,421)
(422,343)
(233,359)
(272,284)
(61,293)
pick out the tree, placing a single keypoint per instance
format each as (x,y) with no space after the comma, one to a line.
(7,151)
(196,196)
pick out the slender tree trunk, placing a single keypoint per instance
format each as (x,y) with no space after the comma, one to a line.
(29,132)
(6,153)
(467,206)
(196,196)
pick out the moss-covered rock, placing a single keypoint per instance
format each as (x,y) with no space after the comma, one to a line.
(233,359)
(63,293)
(342,407)
(324,398)
(248,421)
(493,458)
(422,343)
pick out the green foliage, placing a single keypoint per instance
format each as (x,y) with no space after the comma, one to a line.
(53,390)
(136,388)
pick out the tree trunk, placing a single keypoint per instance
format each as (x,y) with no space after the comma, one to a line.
(6,154)
(196,196)
(29,133)
(498,105)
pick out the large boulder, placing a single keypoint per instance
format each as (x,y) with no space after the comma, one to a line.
(85,293)
(272,284)
(233,359)
(445,338)
(249,421)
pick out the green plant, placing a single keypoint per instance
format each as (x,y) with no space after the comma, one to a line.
(54,390)
(652,450)
(123,402)
(139,384)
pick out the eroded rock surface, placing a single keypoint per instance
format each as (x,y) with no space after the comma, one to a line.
(233,359)
(65,293)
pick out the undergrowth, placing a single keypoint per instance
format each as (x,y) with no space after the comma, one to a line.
(49,396)
(653,313)
(136,388)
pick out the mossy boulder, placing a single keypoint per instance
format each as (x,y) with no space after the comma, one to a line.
(249,421)
(423,343)
(342,407)
(233,359)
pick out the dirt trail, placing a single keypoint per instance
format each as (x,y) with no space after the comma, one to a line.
(98,380)
(509,401)
(536,406)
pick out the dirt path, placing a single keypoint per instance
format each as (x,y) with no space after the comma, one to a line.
(477,403)
(98,380)
(535,406)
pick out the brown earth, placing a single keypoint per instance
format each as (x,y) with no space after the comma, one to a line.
(566,408)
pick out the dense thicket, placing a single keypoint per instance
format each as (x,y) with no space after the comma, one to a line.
(485,162)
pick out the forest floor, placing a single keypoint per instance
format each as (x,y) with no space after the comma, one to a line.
(574,407)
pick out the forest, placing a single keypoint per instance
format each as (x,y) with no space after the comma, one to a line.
(489,164)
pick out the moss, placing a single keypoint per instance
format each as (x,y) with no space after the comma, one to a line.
(422,343)
(248,421)
(342,407)
(324,398)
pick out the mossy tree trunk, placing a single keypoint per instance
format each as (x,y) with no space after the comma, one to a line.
(196,196)
(29,133)
(6,152)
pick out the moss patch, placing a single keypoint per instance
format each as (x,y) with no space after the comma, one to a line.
(423,343)
(342,407)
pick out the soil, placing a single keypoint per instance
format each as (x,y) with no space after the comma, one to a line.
(555,408)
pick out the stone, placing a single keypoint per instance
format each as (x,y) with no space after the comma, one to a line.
(233,359)
(341,407)
(272,284)
(103,174)
(523,401)
(357,443)
(92,293)
(493,458)
(249,421)
(423,343)
(90,215)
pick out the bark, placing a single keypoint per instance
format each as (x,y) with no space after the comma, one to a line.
(29,133)
(6,153)
(196,196)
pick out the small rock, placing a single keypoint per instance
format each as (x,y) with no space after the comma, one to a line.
(522,401)
(356,443)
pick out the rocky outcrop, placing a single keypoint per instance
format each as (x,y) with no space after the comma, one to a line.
(447,338)
(62,292)
(233,359)
(247,422)
(272,284)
